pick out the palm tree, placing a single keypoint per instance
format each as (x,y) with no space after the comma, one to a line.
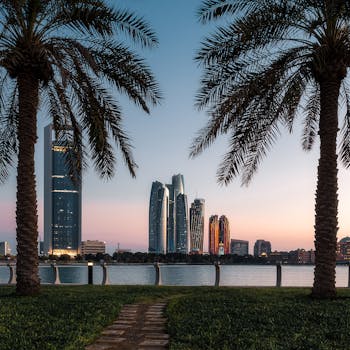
(66,57)
(270,61)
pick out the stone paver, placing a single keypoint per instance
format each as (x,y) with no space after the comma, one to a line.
(138,327)
(154,342)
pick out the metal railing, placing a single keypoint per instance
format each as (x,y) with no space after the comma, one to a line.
(55,278)
(157,270)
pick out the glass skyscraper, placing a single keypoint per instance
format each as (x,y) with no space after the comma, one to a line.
(197,226)
(158,218)
(181,224)
(176,188)
(172,213)
(62,199)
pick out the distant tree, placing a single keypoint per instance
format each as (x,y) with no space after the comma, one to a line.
(107,257)
(67,57)
(64,257)
(271,61)
(79,258)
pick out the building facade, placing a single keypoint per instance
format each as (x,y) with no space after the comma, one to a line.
(62,198)
(214,235)
(5,248)
(177,231)
(197,226)
(158,218)
(262,248)
(181,224)
(93,247)
(239,247)
(302,256)
(343,249)
(168,218)
(224,235)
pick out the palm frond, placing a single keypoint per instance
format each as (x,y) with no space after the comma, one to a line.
(311,121)
(8,134)
(128,73)
(99,114)
(345,132)
(214,9)
(138,29)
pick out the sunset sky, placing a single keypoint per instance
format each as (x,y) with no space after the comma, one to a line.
(279,203)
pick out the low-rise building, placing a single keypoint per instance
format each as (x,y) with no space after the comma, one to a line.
(279,257)
(262,248)
(93,247)
(343,249)
(239,247)
(302,256)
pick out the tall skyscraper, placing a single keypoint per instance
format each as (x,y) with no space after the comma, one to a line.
(158,218)
(176,188)
(262,248)
(224,235)
(176,219)
(239,247)
(62,198)
(197,226)
(214,234)
(181,224)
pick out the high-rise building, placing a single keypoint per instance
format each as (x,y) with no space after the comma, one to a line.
(197,226)
(172,213)
(214,234)
(181,224)
(224,235)
(5,248)
(158,218)
(176,188)
(262,248)
(239,247)
(62,197)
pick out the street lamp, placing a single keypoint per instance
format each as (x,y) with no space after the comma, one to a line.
(90,272)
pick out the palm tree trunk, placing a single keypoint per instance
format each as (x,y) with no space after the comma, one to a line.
(326,218)
(28,282)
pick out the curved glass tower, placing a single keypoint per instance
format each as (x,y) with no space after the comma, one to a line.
(158,218)
(224,234)
(214,235)
(176,187)
(168,206)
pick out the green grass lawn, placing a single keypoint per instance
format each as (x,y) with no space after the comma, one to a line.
(259,319)
(65,318)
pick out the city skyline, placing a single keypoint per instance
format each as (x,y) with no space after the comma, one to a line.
(277,206)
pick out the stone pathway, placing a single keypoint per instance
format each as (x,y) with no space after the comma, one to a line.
(138,327)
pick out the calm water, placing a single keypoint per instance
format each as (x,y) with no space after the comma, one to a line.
(187,275)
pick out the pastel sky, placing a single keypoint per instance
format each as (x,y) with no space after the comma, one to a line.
(279,203)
